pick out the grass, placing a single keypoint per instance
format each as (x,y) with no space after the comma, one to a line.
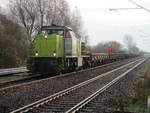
(142,91)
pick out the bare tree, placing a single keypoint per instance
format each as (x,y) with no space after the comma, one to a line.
(33,14)
(129,41)
(76,21)
(131,44)
(25,13)
(58,13)
(41,7)
(65,13)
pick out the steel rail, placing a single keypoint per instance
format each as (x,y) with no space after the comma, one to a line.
(66,91)
(100,91)
(58,76)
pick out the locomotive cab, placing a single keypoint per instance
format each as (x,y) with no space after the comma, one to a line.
(48,51)
(54,50)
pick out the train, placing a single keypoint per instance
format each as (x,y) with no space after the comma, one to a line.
(57,50)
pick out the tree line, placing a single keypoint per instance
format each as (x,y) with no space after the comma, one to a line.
(129,46)
(33,14)
(13,43)
(25,19)
(102,47)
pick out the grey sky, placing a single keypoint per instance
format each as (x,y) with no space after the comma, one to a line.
(3,2)
(103,25)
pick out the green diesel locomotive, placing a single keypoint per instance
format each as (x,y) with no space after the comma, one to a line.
(56,49)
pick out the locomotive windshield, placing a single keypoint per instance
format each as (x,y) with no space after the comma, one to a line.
(50,32)
(59,30)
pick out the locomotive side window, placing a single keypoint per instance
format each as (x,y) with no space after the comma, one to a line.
(50,32)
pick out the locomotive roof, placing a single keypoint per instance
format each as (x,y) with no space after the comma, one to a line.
(56,27)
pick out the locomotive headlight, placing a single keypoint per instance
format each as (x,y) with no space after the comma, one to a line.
(54,54)
(45,36)
(36,53)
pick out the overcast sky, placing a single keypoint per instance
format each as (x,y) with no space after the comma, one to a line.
(102,24)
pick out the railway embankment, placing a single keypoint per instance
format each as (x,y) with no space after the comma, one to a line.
(141,90)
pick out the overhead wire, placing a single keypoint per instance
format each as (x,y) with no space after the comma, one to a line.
(138,7)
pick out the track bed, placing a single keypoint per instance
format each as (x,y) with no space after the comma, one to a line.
(18,96)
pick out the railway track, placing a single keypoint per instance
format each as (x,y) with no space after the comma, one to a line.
(14,79)
(73,98)
(19,95)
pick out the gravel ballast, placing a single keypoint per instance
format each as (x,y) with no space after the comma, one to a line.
(117,96)
(16,97)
